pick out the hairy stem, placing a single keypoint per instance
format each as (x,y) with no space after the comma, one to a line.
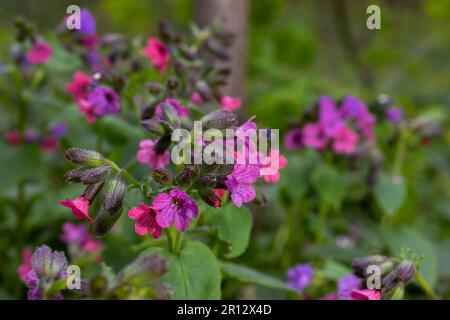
(422,282)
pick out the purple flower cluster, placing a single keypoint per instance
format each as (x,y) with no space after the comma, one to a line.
(300,276)
(340,127)
(48,141)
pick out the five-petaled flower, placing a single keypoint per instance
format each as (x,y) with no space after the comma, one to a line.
(79,207)
(158,53)
(145,217)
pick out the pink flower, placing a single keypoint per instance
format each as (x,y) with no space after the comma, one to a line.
(313,136)
(293,139)
(78,88)
(88,109)
(267,163)
(49,143)
(13,138)
(366,294)
(40,53)
(220,192)
(79,235)
(158,53)
(230,103)
(329,116)
(240,181)
(181,110)
(344,140)
(146,220)
(175,207)
(26,266)
(149,155)
(196,99)
(89,41)
(79,207)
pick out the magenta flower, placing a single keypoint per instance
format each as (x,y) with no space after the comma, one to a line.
(196,99)
(344,140)
(329,117)
(329,296)
(146,220)
(104,100)
(87,109)
(158,53)
(268,162)
(49,143)
(79,207)
(230,103)
(366,294)
(78,88)
(300,276)
(394,114)
(293,139)
(175,207)
(25,267)
(150,156)
(345,286)
(13,138)
(181,110)
(40,53)
(240,181)
(79,235)
(314,137)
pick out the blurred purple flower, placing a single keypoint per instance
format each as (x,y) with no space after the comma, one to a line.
(394,114)
(293,139)
(104,101)
(345,286)
(300,276)
(87,22)
(58,131)
(329,116)
(313,136)
(79,235)
(31,136)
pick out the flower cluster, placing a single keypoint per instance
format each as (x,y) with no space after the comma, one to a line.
(48,141)
(339,128)
(79,241)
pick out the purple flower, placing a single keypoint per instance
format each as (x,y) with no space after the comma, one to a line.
(34,294)
(31,136)
(59,131)
(104,101)
(79,235)
(329,116)
(175,207)
(32,279)
(87,22)
(394,114)
(345,286)
(293,139)
(314,136)
(240,181)
(300,276)
(148,154)
(354,109)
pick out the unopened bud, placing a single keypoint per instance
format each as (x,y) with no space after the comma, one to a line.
(208,181)
(210,198)
(84,157)
(406,271)
(172,83)
(187,175)
(73,176)
(95,175)
(155,127)
(203,89)
(219,119)
(162,176)
(155,88)
(91,191)
(113,194)
(360,265)
(217,49)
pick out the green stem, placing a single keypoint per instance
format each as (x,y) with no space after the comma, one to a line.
(21,213)
(169,239)
(177,243)
(422,282)
(400,151)
(323,210)
(124,173)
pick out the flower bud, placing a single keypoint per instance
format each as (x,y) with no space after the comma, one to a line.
(84,157)
(163,144)
(155,127)
(208,181)
(95,175)
(360,265)
(180,69)
(210,198)
(41,260)
(406,271)
(172,83)
(113,194)
(73,176)
(171,115)
(91,191)
(103,223)
(148,111)
(162,176)
(217,49)
(187,175)
(186,52)
(155,88)
(219,119)
(203,89)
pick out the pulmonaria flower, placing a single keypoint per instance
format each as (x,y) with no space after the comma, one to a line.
(270,168)
(230,103)
(181,110)
(196,99)
(314,137)
(104,100)
(31,136)
(240,181)
(329,116)
(89,42)
(293,139)
(78,88)
(13,138)
(49,143)
(300,276)
(79,207)
(58,131)
(346,285)
(366,294)
(344,140)
(158,53)
(146,220)
(78,235)
(394,114)
(354,109)
(87,109)
(47,267)
(150,156)
(25,267)
(87,22)
(175,207)
(40,53)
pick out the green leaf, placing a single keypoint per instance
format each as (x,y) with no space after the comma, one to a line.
(193,274)
(246,274)
(395,239)
(390,193)
(233,226)
(334,270)
(330,185)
